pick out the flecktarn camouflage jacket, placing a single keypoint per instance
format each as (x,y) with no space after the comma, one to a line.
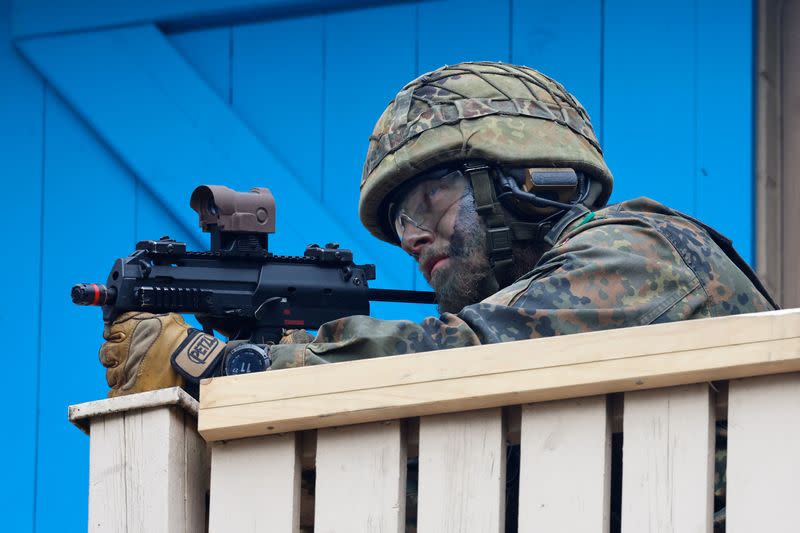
(629,264)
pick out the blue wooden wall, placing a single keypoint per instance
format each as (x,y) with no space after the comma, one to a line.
(112,112)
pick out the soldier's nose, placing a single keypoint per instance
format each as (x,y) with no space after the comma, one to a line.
(415,240)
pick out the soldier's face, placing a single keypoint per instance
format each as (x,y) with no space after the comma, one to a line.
(449,247)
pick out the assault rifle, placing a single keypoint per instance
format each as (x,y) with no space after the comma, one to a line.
(239,288)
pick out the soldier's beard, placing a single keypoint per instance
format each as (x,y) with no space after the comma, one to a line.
(468,276)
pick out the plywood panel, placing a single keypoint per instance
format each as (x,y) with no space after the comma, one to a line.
(668,460)
(462,472)
(565,466)
(21,144)
(361,479)
(763,464)
(77,166)
(247,473)
(648,86)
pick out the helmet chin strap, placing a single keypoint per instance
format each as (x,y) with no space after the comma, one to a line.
(501,230)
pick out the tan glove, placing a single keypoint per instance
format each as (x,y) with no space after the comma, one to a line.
(138,349)
(296,336)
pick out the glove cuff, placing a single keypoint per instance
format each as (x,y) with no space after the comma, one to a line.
(198,356)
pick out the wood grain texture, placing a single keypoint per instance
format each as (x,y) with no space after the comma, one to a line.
(763,463)
(197,455)
(107,476)
(565,466)
(769,176)
(462,472)
(81,414)
(361,479)
(255,485)
(148,472)
(668,465)
(790,162)
(504,374)
(155,482)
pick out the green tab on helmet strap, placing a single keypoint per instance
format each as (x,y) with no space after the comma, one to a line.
(589,216)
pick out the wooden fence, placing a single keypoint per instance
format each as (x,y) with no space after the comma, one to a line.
(421,441)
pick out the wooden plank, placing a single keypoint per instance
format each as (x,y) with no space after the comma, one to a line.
(790,161)
(565,466)
(763,464)
(648,84)
(668,460)
(192,135)
(22,132)
(462,472)
(495,359)
(34,17)
(148,471)
(155,482)
(461,394)
(361,479)
(494,390)
(724,101)
(82,413)
(769,178)
(590,363)
(107,497)
(197,456)
(249,472)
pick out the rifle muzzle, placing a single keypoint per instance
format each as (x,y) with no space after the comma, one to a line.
(93,294)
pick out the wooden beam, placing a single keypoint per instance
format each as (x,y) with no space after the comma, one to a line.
(37,17)
(174,132)
(502,374)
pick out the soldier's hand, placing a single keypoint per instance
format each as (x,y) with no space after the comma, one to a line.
(137,352)
(296,336)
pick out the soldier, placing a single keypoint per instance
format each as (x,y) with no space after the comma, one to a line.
(491,177)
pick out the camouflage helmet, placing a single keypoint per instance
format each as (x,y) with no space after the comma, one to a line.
(493,112)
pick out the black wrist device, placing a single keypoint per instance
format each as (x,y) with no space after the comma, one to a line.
(245,358)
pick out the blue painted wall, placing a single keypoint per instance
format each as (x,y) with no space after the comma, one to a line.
(108,121)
